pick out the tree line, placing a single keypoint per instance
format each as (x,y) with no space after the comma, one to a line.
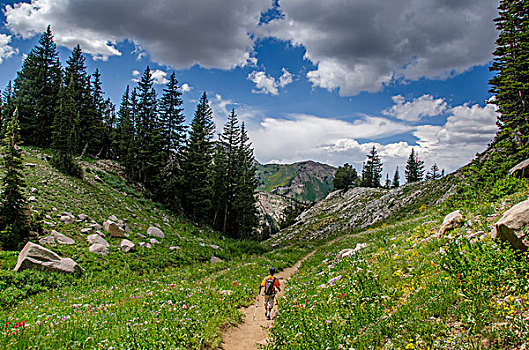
(346,176)
(181,166)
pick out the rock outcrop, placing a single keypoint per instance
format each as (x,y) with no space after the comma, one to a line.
(450,222)
(113,229)
(155,232)
(34,256)
(509,227)
(521,169)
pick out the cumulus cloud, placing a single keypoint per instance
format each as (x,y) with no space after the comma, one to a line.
(467,130)
(6,50)
(424,106)
(186,87)
(266,84)
(159,76)
(181,34)
(361,45)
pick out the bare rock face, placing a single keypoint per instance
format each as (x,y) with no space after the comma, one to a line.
(155,232)
(127,246)
(113,228)
(62,239)
(97,239)
(509,227)
(521,169)
(34,256)
(451,221)
(98,249)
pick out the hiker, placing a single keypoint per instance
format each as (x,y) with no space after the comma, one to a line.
(271,287)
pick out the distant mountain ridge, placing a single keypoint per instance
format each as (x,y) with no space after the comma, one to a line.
(307,181)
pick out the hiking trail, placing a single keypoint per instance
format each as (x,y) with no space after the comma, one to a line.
(251,334)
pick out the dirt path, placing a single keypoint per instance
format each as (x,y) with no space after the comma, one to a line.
(253,332)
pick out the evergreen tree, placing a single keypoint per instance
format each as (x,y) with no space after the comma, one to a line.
(387,183)
(7,107)
(99,120)
(125,128)
(511,83)
(14,229)
(196,191)
(77,85)
(171,116)
(396,179)
(63,132)
(226,170)
(245,206)
(36,89)
(372,170)
(433,173)
(345,177)
(414,170)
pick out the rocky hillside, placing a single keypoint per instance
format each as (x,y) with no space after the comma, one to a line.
(271,208)
(358,208)
(303,181)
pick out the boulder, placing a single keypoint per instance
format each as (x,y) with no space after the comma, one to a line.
(82,217)
(97,239)
(145,244)
(62,239)
(96,227)
(127,246)
(345,253)
(113,218)
(32,199)
(66,219)
(174,248)
(113,228)
(98,249)
(47,240)
(34,256)
(214,259)
(155,232)
(509,227)
(154,241)
(451,221)
(521,169)
(86,230)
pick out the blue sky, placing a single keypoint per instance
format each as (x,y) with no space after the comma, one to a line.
(312,80)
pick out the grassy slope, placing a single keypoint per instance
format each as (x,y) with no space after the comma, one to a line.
(408,289)
(153,298)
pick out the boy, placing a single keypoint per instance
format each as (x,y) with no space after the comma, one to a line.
(271,287)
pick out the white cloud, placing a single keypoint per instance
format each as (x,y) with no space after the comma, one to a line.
(468,130)
(186,87)
(286,78)
(180,34)
(424,106)
(159,77)
(361,45)
(266,84)
(6,50)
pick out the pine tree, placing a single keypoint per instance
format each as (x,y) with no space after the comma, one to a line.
(345,177)
(196,191)
(511,84)
(77,84)
(245,207)
(36,89)
(99,120)
(433,173)
(414,170)
(396,179)
(14,229)
(387,183)
(226,169)
(7,107)
(125,128)
(171,116)
(372,170)
(63,132)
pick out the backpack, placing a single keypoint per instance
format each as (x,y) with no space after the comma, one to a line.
(269,286)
